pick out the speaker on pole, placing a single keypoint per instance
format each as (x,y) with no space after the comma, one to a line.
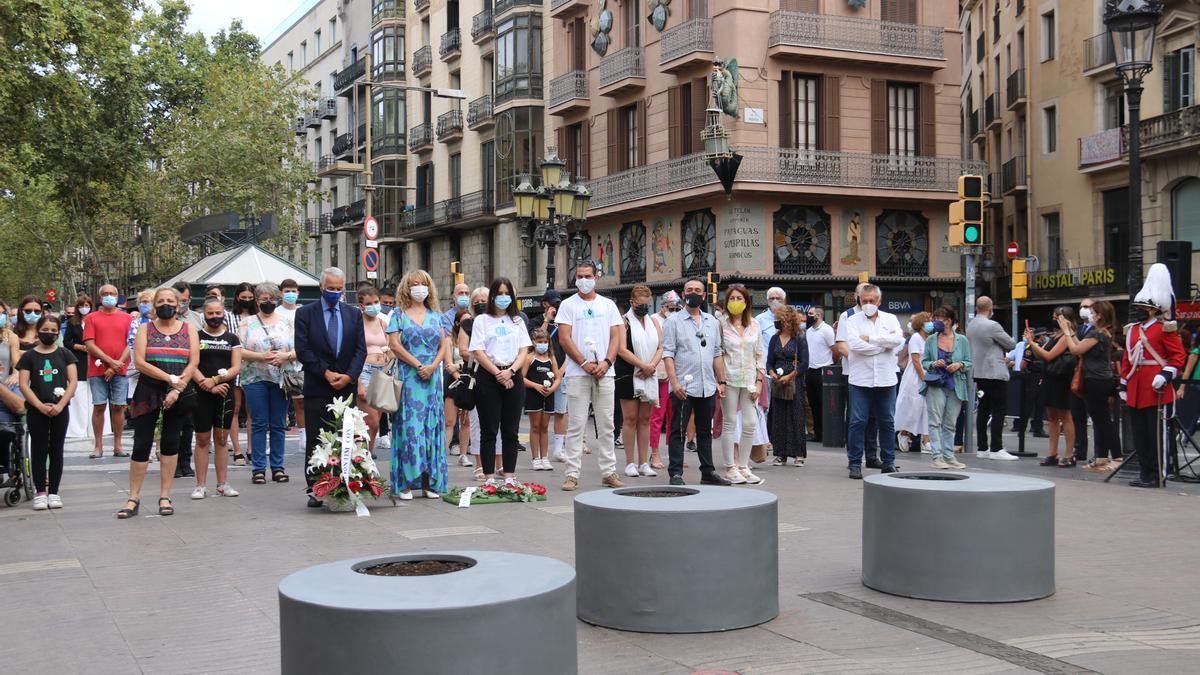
(1177,256)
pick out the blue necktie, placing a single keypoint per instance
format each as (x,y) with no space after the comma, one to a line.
(331,328)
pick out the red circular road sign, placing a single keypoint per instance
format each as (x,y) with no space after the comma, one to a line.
(370,259)
(371,228)
(1014,250)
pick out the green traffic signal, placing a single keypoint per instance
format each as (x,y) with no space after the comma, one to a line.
(971,234)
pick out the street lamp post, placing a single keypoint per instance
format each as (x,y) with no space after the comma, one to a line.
(549,208)
(1132,25)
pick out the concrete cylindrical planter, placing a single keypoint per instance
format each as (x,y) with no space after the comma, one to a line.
(959,537)
(691,560)
(334,618)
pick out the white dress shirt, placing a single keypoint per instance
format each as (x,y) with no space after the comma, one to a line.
(872,362)
(820,345)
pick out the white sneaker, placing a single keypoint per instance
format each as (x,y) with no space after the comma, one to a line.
(406,496)
(1004,455)
(226,490)
(54,501)
(926,448)
(631,470)
(383,442)
(734,476)
(797,461)
(751,479)
(199,492)
(902,441)
(511,481)
(557,456)
(982,454)
(955,464)
(465,460)
(647,470)
(39,503)
(430,494)
(454,449)
(490,481)
(939,463)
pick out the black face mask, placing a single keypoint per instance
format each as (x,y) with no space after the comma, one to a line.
(480,307)
(165,311)
(247,305)
(214,321)
(641,310)
(48,338)
(809,322)
(267,307)
(694,301)
(778,326)
(1141,314)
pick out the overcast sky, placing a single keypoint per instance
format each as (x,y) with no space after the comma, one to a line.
(258,16)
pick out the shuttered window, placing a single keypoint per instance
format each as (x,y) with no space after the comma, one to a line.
(899,11)
(573,149)
(630,135)
(805,111)
(680,131)
(700,98)
(1179,76)
(831,113)
(901,120)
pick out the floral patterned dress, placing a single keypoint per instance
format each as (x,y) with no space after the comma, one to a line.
(419,426)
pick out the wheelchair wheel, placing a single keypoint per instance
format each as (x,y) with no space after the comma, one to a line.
(26,465)
(12,496)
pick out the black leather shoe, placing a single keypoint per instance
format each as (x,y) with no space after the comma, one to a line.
(179,472)
(1144,483)
(856,473)
(889,469)
(314,503)
(874,464)
(677,480)
(188,472)
(711,478)
(1038,433)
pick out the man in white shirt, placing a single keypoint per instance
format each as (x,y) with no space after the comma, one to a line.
(871,336)
(840,350)
(589,329)
(776,298)
(820,338)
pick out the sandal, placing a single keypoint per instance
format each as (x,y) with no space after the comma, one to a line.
(239,459)
(120,453)
(96,455)
(1065,463)
(279,476)
(779,461)
(167,510)
(127,512)
(1097,465)
(1049,460)
(259,478)
(478,473)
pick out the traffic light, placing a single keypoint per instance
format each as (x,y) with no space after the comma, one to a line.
(1020,280)
(970,214)
(714,278)
(459,278)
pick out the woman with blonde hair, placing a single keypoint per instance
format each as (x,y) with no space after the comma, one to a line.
(418,339)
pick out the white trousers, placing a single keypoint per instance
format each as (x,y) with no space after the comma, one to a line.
(737,402)
(582,391)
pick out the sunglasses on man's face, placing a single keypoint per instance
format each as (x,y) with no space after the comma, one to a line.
(700,336)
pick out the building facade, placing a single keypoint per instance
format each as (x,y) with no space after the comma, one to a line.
(1044,107)
(846,120)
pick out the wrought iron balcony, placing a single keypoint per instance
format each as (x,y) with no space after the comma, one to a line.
(420,137)
(312,119)
(327,108)
(686,43)
(475,208)
(345,144)
(1013,178)
(348,76)
(422,61)
(563,7)
(483,27)
(1098,52)
(1163,134)
(340,216)
(788,166)
(569,92)
(852,34)
(451,47)
(621,71)
(421,5)
(297,125)
(1016,88)
(991,110)
(382,10)
(479,112)
(450,126)
(332,165)
(312,226)
(387,144)
(325,221)
(357,211)
(503,6)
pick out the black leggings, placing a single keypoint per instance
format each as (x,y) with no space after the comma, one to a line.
(172,422)
(1096,394)
(499,410)
(46,436)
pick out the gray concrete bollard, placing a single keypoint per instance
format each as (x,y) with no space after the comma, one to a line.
(704,561)
(333,619)
(959,537)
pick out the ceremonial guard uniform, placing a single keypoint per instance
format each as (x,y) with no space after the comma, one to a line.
(1154,356)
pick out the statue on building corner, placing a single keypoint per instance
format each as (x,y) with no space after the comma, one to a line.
(856,4)
(724,84)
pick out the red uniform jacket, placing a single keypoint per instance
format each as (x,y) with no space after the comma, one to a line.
(1139,367)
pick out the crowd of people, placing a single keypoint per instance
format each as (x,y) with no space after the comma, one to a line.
(690,372)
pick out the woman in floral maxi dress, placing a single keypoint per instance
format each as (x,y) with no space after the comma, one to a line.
(420,343)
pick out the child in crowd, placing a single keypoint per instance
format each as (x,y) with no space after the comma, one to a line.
(48,380)
(542,379)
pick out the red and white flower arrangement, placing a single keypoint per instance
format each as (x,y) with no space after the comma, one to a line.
(341,464)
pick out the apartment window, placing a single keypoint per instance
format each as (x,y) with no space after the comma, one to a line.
(1049,36)
(633,23)
(456,175)
(1115,204)
(902,119)
(317,40)
(518,148)
(291,61)
(685,116)
(1179,78)
(424,185)
(333,252)
(805,112)
(387,52)
(1185,211)
(899,11)
(519,57)
(487,68)
(427,255)
(629,136)
(1114,105)
(1050,129)
(487,169)
(489,259)
(425,31)
(317,147)
(1053,229)
(389,204)
(572,148)
(388,121)
(303,54)
(333,30)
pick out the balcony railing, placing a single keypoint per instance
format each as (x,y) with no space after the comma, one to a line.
(420,5)
(1016,87)
(1098,51)
(312,119)
(686,38)
(386,9)
(826,31)
(503,6)
(449,124)
(420,136)
(620,65)
(566,87)
(472,206)
(482,26)
(787,166)
(422,61)
(349,75)
(1013,174)
(1176,129)
(479,111)
(312,226)
(325,220)
(327,108)
(451,44)
(297,125)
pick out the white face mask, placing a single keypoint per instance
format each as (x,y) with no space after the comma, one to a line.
(585,286)
(1085,313)
(419,293)
(870,310)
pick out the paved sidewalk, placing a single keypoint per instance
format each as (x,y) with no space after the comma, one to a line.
(196,592)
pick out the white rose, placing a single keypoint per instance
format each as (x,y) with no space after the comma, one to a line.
(223,372)
(547,383)
(99,363)
(59,392)
(687,378)
(779,371)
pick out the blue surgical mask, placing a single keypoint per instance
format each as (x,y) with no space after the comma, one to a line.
(929,327)
(144,308)
(331,297)
(290,297)
(373,310)
(542,347)
(503,301)
(109,301)
(938,326)
(32,317)
(462,301)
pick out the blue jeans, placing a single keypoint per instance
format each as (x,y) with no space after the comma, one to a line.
(943,406)
(867,402)
(268,412)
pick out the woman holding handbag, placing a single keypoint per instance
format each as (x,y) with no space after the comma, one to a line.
(787,360)
(1098,381)
(1060,368)
(945,363)
(377,355)
(742,350)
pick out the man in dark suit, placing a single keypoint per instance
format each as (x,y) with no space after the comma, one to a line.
(332,347)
